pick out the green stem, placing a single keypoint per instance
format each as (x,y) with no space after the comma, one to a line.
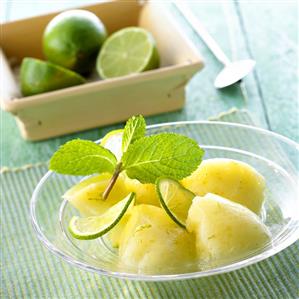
(113,180)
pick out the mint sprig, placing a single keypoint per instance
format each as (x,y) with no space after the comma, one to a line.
(144,158)
(166,154)
(82,157)
(134,129)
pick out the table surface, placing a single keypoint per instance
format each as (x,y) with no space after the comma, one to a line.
(265,31)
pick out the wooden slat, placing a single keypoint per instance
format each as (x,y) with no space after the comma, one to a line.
(222,22)
(272,29)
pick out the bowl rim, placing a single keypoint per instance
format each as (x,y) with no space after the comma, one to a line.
(167,277)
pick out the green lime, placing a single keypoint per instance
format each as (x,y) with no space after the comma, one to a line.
(38,76)
(127,51)
(113,142)
(73,39)
(93,227)
(175,199)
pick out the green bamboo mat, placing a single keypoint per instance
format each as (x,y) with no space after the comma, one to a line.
(28,270)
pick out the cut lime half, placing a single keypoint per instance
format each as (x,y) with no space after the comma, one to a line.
(175,199)
(127,51)
(93,227)
(113,142)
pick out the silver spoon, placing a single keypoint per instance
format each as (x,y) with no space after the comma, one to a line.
(233,71)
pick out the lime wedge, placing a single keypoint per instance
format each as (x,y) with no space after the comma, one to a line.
(127,51)
(39,76)
(175,199)
(93,227)
(113,142)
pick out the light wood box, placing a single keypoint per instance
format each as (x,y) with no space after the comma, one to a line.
(100,102)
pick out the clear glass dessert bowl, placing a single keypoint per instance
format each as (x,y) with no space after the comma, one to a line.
(274,156)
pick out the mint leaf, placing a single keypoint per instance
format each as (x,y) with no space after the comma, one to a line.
(166,154)
(82,157)
(134,129)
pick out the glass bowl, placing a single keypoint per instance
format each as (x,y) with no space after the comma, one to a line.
(273,155)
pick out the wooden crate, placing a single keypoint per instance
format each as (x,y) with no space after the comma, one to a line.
(100,102)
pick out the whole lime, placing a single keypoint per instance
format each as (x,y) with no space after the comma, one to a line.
(73,39)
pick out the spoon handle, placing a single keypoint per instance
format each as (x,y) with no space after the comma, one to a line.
(201,30)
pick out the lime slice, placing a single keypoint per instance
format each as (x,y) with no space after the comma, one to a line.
(175,199)
(127,51)
(39,76)
(87,228)
(113,142)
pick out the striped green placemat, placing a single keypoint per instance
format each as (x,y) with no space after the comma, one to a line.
(28,270)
